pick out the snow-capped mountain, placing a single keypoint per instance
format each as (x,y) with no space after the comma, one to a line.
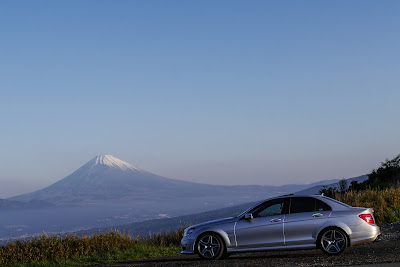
(108,179)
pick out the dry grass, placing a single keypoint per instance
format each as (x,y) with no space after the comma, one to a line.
(386,203)
(52,248)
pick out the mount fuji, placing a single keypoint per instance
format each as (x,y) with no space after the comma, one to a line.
(108,179)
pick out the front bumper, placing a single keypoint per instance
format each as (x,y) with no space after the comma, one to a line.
(187,245)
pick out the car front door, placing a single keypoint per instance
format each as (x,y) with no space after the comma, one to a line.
(307,214)
(265,229)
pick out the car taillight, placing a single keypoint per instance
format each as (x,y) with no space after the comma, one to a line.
(368,218)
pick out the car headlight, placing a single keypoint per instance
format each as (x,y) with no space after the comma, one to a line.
(188,231)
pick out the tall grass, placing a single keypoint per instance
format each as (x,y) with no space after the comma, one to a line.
(386,203)
(53,248)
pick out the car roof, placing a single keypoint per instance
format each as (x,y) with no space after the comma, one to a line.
(334,204)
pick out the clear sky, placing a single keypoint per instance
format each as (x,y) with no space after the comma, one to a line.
(221,92)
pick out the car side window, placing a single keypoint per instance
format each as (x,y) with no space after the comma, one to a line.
(321,206)
(271,208)
(302,204)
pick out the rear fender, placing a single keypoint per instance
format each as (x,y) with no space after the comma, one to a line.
(332,223)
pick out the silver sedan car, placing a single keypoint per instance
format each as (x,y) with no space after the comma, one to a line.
(285,222)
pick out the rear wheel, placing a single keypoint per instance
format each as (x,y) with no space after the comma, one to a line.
(332,241)
(210,246)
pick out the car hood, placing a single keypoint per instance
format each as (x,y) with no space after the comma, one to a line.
(214,222)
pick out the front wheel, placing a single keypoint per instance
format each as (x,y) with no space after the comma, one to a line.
(210,246)
(333,241)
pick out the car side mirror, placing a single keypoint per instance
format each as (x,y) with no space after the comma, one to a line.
(248,216)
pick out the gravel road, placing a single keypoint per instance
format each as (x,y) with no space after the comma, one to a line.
(384,250)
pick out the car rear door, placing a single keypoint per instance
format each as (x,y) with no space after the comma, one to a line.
(306,215)
(266,227)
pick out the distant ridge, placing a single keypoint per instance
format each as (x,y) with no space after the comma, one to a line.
(107,179)
(315,189)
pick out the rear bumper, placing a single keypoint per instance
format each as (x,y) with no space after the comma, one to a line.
(358,238)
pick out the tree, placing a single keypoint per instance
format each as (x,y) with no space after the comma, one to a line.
(387,175)
(354,186)
(342,186)
(328,192)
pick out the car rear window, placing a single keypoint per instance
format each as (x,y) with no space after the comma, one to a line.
(302,204)
(307,204)
(321,206)
(338,202)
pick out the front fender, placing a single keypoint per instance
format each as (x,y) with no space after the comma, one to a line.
(216,230)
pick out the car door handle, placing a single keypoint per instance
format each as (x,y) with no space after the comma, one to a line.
(318,215)
(276,220)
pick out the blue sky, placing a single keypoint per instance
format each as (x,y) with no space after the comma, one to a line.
(222,92)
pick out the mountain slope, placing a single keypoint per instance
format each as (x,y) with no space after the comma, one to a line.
(6,204)
(108,179)
(9,204)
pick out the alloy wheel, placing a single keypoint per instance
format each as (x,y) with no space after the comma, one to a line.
(209,246)
(333,242)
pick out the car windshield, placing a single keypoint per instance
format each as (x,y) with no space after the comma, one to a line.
(247,210)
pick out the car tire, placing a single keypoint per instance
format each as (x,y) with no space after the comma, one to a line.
(210,246)
(332,241)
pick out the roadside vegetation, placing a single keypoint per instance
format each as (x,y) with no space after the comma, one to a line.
(74,250)
(386,203)
(381,191)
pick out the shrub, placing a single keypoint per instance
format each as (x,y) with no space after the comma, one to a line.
(386,203)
